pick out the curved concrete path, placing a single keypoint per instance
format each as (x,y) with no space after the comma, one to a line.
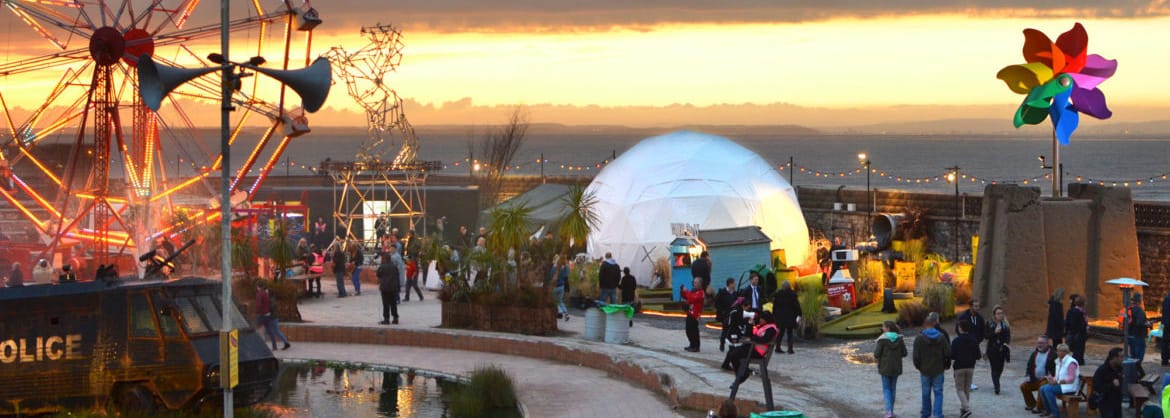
(651,369)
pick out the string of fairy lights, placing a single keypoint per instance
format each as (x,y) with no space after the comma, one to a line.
(563,167)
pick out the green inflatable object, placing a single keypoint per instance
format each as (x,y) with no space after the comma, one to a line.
(627,309)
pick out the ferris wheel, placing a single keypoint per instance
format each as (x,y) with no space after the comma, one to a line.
(88,162)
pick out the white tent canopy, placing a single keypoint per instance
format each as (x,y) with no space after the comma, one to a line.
(691,178)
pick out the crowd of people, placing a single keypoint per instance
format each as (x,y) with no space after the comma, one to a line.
(1052,369)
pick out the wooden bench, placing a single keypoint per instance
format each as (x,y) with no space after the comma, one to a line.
(310,284)
(1138,394)
(745,366)
(1072,402)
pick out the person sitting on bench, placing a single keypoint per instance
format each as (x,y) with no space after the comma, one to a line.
(762,336)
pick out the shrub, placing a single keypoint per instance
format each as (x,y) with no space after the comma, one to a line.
(811,293)
(872,277)
(490,388)
(940,298)
(912,313)
(914,250)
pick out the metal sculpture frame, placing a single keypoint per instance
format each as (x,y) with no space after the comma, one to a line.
(402,180)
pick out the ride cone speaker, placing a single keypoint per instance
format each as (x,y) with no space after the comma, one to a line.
(155,81)
(311,83)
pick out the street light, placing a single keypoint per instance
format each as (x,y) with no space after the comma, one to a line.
(864,160)
(155,82)
(953,177)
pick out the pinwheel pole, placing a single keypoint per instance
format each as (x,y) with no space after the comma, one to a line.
(1057,186)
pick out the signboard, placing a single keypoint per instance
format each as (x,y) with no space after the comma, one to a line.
(229,355)
(906,273)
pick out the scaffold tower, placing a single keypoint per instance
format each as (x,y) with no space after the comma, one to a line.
(366,188)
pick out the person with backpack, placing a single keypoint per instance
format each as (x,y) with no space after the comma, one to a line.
(932,352)
(889,352)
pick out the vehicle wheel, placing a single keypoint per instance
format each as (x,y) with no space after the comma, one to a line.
(136,400)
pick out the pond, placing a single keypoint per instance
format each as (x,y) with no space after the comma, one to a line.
(319,389)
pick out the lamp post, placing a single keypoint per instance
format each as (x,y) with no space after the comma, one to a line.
(864,160)
(953,177)
(156,82)
(1126,284)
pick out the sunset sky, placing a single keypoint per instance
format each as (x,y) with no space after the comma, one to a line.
(573,59)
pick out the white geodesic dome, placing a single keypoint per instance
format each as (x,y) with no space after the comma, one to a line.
(692,178)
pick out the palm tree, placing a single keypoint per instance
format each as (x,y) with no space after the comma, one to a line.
(580,217)
(508,228)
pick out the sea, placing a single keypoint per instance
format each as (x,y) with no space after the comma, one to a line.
(897,162)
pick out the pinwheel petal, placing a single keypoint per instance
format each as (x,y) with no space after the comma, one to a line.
(1074,45)
(1065,118)
(1097,70)
(1030,115)
(1091,102)
(1022,78)
(1037,47)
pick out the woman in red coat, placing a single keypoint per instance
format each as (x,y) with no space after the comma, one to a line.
(694,299)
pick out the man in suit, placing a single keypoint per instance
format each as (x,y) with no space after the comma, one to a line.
(754,294)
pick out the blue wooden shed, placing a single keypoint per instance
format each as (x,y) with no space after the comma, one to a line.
(734,251)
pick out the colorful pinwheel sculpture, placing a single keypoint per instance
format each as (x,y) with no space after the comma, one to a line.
(1059,79)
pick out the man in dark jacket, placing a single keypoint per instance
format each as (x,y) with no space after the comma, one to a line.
(965,351)
(724,299)
(972,317)
(735,333)
(388,286)
(1076,327)
(1041,363)
(1107,382)
(1137,330)
(608,277)
(628,286)
(1164,343)
(931,351)
(701,268)
(786,306)
(1055,328)
(339,260)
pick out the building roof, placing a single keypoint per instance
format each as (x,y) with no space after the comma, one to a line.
(547,202)
(744,235)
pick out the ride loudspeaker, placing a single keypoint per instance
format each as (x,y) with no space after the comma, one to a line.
(155,81)
(311,83)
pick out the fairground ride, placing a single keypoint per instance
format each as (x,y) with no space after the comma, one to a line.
(369,184)
(81,174)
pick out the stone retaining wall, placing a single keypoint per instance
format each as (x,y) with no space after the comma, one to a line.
(621,367)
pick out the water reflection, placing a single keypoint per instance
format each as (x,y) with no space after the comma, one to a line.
(314,390)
